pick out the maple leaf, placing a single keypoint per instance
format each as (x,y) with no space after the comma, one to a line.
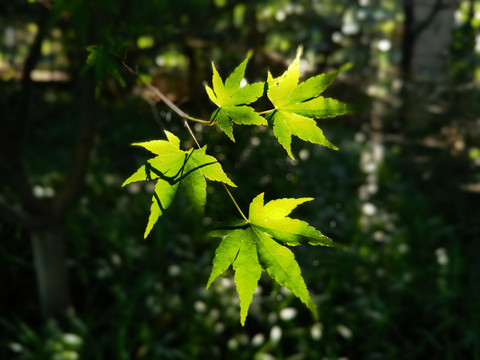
(173,168)
(297,105)
(104,62)
(232,100)
(254,245)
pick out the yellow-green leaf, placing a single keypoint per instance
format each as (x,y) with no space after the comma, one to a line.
(281,265)
(239,249)
(232,100)
(172,167)
(257,244)
(297,105)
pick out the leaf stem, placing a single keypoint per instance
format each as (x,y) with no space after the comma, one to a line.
(157,92)
(165,99)
(224,185)
(236,205)
(206,122)
(185,117)
(185,123)
(265,112)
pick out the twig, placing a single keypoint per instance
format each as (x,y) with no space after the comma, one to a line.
(153,107)
(160,94)
(185,117)
(185,122)
(206,122)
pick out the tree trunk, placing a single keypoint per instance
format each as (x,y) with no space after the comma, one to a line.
(44,218)
(428,30)
(49,258)
(433,21)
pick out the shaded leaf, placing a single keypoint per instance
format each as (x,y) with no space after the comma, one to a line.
(103,62)
(162,198)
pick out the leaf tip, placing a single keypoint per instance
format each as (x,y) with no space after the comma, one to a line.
(314,312)
(231,183)
(172,139)
(346,67)
(209,282)
(137,144)
(299,51)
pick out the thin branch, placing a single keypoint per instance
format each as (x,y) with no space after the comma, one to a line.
(17,217)
(206,122)
(153,107)
(45,4)
(157,92)
(185,122)
(20,218)
(166,100)
(185,117)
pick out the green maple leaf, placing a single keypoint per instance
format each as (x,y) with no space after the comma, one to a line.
(173,168)
(232,100)
(103,61)
(257,244)
(297,105)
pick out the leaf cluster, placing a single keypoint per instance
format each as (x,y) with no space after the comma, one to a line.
(258,242)
(295,106)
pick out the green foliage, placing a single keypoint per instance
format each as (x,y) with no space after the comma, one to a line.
(231,100)
(104,63)
(296,105)
(173,167)
(389,289)
(257,243)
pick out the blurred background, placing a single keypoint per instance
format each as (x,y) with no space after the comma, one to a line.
(78,281)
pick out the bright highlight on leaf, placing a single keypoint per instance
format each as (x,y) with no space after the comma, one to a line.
(258,244)
(173,168)
(297,105)
(232,100)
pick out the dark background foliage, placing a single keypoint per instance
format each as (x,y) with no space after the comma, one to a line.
(402,192)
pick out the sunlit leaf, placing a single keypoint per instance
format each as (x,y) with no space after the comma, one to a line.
(297,105)
(257,244)
(173,167)
(232,100)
